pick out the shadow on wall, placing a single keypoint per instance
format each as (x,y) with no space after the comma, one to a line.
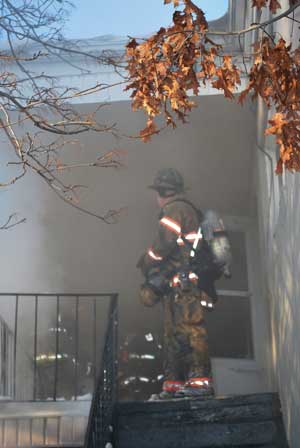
(285,303)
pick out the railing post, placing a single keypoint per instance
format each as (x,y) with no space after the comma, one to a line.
(116,367)
(115,347)
(35,346)
(95,343)
(15,346)
(56,349)
(76,347)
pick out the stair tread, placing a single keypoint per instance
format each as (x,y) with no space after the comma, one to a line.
(131,407)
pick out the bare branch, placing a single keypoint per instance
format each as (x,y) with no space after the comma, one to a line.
(11,222)
(33,30)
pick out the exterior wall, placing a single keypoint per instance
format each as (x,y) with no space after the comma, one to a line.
(279,219)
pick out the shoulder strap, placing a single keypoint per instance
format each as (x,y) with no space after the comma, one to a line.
(197,210)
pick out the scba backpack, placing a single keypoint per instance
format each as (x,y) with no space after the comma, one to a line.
(215,234)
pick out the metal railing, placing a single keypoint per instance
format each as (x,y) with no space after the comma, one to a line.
(48,335)
(102,424)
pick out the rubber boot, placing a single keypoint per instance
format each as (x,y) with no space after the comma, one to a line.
(196,388)
(170,388)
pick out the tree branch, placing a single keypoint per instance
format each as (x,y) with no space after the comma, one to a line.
(256,26)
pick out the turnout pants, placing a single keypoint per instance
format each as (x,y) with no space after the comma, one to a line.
(185,338)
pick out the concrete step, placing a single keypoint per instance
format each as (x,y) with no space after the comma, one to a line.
(237,421)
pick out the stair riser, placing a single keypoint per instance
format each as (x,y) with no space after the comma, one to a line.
(200,436)
(236,414)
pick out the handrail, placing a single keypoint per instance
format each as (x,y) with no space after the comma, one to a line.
(101,425)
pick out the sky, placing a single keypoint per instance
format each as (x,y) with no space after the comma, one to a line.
(91,18)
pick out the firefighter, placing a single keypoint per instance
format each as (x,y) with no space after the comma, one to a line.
(180,274)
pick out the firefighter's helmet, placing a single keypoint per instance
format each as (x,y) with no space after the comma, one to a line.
(168,179)
(148,296)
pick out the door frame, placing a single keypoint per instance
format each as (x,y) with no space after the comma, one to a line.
(237,375)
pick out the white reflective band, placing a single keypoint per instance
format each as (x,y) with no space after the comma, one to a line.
(193,276)
(172,225)
(192,253)
(196,383)
(180,241)
(191,236)
(199,237)
(203,303)
(154,256)
(210,305)
(176,279)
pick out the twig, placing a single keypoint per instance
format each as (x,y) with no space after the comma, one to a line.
(9,224)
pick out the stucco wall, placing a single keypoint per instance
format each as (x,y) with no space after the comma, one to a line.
(279,220)
(279,211)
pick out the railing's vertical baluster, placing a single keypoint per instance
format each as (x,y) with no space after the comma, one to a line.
(35,347)
(17,432)
(56,348)
(6,360)
(15,344)
(7,354)
(58,430)
(45,430)
(76,346)
(5,389)
(73,429)
(9,363)
(95,343)
(116,348)
(30,432)
(1,361)
(2,432)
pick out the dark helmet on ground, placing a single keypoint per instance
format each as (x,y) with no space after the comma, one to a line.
(168,181)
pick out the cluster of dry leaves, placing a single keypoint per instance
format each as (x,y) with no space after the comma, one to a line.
(275,76)
(180,59)
(272,4)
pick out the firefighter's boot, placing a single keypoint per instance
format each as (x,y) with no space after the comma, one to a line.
(196,388)
(170,389)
